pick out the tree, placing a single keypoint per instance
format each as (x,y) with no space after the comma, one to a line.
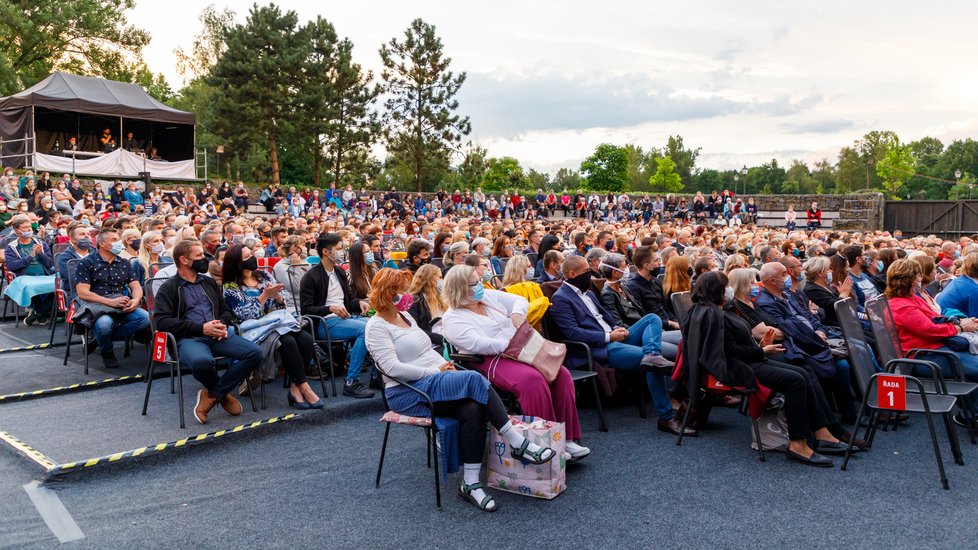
(538,180)
(565,178)
(641,165)
(422,126)
(798,179)
(851,171)
(606,169)
(255,77)
(824,176)
(895,167)
(503,173)
(684,158)
(91,37)
(208,44)
(666,179)
(473,167)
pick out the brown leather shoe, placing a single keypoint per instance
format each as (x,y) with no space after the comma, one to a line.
(231,405)
(673,425)
(205,403)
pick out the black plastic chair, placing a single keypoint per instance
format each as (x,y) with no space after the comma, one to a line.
(292,274)
(72,326)
(890,349)
(427,424)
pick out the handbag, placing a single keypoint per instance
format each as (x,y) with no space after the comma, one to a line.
(527,346)
(522,478)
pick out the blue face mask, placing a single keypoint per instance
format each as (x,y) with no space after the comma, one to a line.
(754,291)
(118,248)
(879,265)
(478,291)
(787,283)
(828,277)
(368,257)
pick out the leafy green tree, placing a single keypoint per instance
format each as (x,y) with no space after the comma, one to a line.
(684,158)
(422,125)
(666,179)
(537,180)
(503,173)
(641,165)
(895,167)
(606,169)
(798,179)
(90,37)
(255,78)
(851,171)
(824,176)
(963,189)
(208,45)
(565,178)
(355,126)
(473,167)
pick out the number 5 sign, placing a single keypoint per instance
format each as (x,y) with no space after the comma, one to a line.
(159,347)
(892,392)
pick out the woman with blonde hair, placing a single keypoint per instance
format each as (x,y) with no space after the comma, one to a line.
(677,279)
(428,306)
(150,258)
(734,261)
(518,279)
(403,355)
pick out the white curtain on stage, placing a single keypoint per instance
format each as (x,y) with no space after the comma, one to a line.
(117,163)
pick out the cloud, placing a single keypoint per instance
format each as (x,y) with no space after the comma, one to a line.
(829,126)
(507,105)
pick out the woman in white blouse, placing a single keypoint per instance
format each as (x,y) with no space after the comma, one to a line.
(482,322)
(403,354)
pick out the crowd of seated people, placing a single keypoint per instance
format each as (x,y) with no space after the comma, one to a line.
(398,282)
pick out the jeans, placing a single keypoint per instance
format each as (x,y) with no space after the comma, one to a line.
(647,334)
(628,357)
(348,329)
(115,327)
(198,354)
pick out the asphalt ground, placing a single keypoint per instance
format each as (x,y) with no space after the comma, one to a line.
(309,481)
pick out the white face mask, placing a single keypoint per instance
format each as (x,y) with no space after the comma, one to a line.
(728,294)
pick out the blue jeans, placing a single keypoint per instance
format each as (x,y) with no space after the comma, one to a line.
(116,327)
(647,334)
(198,354)
(628,357)
(351,329)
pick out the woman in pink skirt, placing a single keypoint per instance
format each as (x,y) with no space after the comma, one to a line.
(482,322)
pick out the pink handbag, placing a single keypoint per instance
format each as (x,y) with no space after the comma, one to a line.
(527,346)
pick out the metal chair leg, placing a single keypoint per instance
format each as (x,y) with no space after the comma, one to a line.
(937,451)
(71,329)
(682,429)
(757,437)
(434,434)
(149,385)
(86,334)
(332,366)
(952,436)
(602,423)
(427,438)
(183,424)
(383,452)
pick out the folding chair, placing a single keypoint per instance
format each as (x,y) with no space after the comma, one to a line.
(427,424)
(549,288)
(890,349)
(552,332)
(165,351)
(8,277)
(292,274)
(69,314)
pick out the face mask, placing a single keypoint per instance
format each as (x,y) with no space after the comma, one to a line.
(368,257)
(587,248)
(654,272)
(250,264)
(84,243)
(444,249)
(157,248)
(828,277)
(796,253)
(478,292)
(27,234)
(609,245)
(486,276)
(867,260)
(118,248)
(879,265)
(728,294)
(135,244)
(200,266)
(210,247)
(530,273)
(86,223)
(339,257)
(581,282)
(424,261)
(754,291)
(787,283)
(403,302)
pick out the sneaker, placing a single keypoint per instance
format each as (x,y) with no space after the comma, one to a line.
(91,345)
(231,405)
(204,405)
(376,381)
(109,360)
(355,389)
(657,361)
(576,452)
(31,317)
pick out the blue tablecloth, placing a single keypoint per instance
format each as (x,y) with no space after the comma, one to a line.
(25,287)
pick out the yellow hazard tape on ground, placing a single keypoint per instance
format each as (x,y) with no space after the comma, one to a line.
(56,469)
(27,451)
(27,348)
(61,390)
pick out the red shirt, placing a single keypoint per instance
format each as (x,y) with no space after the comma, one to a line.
(913,319)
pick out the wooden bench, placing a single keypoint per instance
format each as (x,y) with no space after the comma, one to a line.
(775,218)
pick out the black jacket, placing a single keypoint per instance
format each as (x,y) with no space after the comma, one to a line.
(649,295)
(314,287)
(623,308)
(824,299)
(422,315)
(171,308)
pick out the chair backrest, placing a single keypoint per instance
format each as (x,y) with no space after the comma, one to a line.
(549,329)
(533,257)
(70,276)
(660,277)
(294,277)
(860,354)
(58,248)
(884,329)
(597,285)
(682,302)
(550,287)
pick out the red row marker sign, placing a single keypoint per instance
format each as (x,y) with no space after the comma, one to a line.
(892,391)
(159,347)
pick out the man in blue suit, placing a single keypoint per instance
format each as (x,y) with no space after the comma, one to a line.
(578,314)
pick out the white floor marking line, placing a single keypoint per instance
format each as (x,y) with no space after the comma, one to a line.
(53,512)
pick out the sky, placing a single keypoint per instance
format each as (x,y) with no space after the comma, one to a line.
(746,81)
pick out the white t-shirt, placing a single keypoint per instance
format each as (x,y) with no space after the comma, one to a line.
(334,294)
(402,352)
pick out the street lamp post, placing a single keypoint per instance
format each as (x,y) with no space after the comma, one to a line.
(743,172)
(736,177)
(957,181)
(869,162)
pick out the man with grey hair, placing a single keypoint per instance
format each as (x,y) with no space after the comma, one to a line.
(594,257)
(211,239)
(481,246)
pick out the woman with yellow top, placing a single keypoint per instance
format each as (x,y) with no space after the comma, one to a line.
(518,279)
